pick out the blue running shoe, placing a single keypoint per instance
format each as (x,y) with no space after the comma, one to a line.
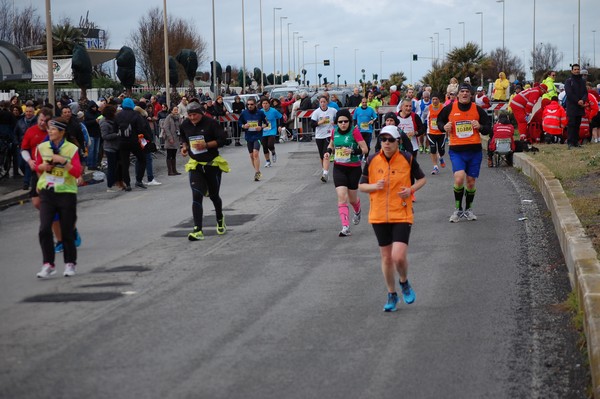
(77,239)
(407,293)
(58,247)
(392,301)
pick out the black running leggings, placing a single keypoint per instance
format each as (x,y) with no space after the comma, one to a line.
(268,143)
(65,205)
(205,181)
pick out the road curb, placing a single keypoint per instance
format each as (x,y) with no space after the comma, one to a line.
(20,196)
(581,258)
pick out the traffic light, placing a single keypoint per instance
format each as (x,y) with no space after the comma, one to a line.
(326,62)
(415,57)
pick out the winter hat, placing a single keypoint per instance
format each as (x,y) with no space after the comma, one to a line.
(343,112)
(127,103)
(480,88)
(465,86)
(195,107)
(391,130)
(391,115)
(393,88)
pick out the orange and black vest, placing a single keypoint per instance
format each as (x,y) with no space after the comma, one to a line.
(462,131)
(432,122)
(386,205)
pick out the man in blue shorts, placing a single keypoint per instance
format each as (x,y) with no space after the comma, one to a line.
(252,121)
(463,121)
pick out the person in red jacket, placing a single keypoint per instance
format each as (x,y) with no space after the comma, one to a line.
(591,110)
(481,99)
(522,105)
(502,130)
(554,122)
(394,95)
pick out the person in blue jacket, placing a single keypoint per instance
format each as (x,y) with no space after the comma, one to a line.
(364,118)
(269,133)
(252,121)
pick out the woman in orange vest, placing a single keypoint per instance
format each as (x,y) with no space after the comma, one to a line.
(435,136)
(387,177)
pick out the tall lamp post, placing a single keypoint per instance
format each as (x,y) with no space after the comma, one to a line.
(214,68)
(243,51)
(432,51)
(294,54)
(50,54)
(594,32)
(316,67)
(503,49)
(481,13)
(449,39)
(262,64)
(166,44)
(355,81)
(334,75)
(281,45)
(380,65)
(299,68)
(303,43)
(274,62)
(463,24)
(438,44)
(289,63)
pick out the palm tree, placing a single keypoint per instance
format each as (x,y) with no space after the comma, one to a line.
(467,61)
(64,38)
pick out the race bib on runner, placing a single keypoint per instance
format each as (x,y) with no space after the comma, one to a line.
(268,127)
(364,125)
(434,123)
(252,126)
(340,155)
(197,144)
(56,177)
(464,129)
(326,119)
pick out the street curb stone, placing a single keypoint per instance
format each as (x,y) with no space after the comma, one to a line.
(580,256)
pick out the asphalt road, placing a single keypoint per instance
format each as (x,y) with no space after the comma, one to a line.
(281,307)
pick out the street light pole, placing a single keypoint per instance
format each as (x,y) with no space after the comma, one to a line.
(432,51)
(463,24)
(288,37)
(334,75)
(262,64)
(316,68)
(503,48)
(482,53)
(243,51)
(594,32)
(380,65)
(449,39)
(299,69)
(214,69)
(274,54)
(437,57)
(579,31)
(50,54)
(281,45)
(166,44)
(303,43)
(294,54)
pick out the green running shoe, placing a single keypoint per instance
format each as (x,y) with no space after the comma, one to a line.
(196,235)
(221,226)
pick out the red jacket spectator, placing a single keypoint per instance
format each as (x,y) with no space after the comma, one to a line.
(554,119)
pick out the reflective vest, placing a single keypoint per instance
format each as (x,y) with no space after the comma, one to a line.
(554,119)
(432,127)
(526,99)
(462,131)
(386,205)
(59,179)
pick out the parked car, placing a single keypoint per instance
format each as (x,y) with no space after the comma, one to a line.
(244,97)
(341,94)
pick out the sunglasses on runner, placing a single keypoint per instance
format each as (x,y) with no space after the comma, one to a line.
(386,139)
(343,121)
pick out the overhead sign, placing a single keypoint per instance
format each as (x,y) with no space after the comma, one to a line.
(62,70)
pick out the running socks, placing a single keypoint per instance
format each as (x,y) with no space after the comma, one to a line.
(469,197)
(458,196)
(343,211)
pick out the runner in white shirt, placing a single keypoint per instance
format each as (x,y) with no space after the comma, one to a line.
(322,121)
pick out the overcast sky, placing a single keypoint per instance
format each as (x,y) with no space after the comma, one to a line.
(385,32)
